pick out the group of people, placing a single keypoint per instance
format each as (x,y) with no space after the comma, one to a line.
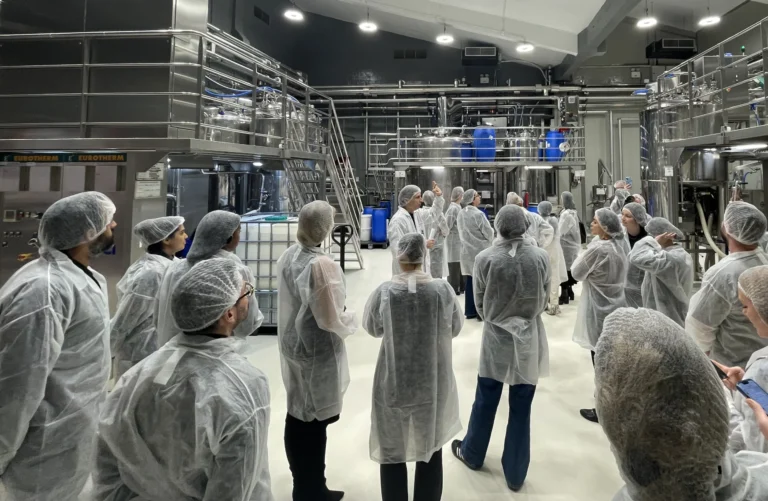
(189,415)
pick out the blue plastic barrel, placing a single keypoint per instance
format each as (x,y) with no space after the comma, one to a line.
(485,144)
(555,139)
(368,210)
(386,204)
(533,208)
(467,151)
(379,225)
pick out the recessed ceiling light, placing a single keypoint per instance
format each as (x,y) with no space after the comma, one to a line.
(647,22)
(368,26)
(258,164)
(709,21)
(294,14)
(444,38)
(525,47)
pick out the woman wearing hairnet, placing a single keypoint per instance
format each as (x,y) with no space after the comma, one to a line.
(665,415)
(54,354)
(311,328)
(557,269)
(217,235)
(191,420)
(538,228)
(435,228)
(634,218)
(132,330)
(602,268)
(668,270)
(512,286)
(570,240)
(404,221)
(619,200)
(476,236)
(415,400)
(715,318)
(453,242)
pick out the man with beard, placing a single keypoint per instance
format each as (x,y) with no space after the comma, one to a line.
(54,354)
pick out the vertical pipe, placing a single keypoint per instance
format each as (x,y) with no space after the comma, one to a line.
(306,118)
(611,146)
(723,94)
(254,88)
(442,111)
(621,148)
(690,99)
(201,87)
(284,87)
(84,87)
(366,150)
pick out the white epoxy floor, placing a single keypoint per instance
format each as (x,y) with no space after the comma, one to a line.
(570,457)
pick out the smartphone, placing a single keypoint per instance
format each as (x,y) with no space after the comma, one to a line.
(750,389)
(720,373)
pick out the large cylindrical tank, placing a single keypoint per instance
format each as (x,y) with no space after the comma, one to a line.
(656,185)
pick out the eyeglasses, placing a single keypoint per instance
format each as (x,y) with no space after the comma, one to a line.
(249,290)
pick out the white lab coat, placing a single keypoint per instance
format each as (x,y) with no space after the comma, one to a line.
(434,223)
(570,236)
(402,224)
(476,236)
(453,242)
(539,230)
(745,433)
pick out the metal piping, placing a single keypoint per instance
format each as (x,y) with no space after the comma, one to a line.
(335,91)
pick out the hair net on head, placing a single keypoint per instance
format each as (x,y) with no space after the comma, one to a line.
(156,230)
(208,290)
(545,208)
(406,194)
(622,195)
(661,406)
(315,223)
(658,226)
(609,222)
(620,185)
(567,199)
(468,197)
(639,199)
(514,199)
(744,222)
(638,213)
(411,249)
(511,222)
(76,220)
(212,234)
(428,197)
(457,194)
(754,284)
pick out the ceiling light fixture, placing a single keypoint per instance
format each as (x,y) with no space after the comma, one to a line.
(524,47)
(258,164)
(294,14)
(445,38)
(538,167)
(368,26)
(709,21)
(432,167)
(648,21)
(747,147)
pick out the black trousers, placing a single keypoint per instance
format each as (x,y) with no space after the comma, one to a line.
(428,485)
(305,447)
(457,281)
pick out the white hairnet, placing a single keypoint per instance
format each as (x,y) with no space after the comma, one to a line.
(152,231)
(457,194)
(407,194)
(622,195)
(620,185)
(468,197)
(638,213)
(212,234)
(514,199)
(315,223)
(567,199)
(411,249)
(76,220)
(754,284)
(661,405)
(609,222)
(545,209)
(511,222)
(428,197)
(208,290)
(658,226)
(639,199)
(744,222)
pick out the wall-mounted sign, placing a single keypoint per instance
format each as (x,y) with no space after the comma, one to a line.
(64,158)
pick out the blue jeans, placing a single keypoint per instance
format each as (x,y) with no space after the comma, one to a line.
(517,443)
(469,299)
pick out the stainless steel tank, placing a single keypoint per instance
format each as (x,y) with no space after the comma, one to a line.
(436,148)
(656,184)
(703,166)
(527,145)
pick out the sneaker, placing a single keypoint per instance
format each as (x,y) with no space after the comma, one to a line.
(589,415)
(456,449)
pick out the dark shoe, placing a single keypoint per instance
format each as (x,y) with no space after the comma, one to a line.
(335,495)
(589,415)
(570,294)
(457,293)
(479,319)
(514,488)
(472,318)
(456,449)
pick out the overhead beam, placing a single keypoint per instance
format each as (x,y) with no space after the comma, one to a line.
(607,19)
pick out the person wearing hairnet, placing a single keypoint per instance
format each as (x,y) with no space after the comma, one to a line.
(715,318)
(132,330)
(668,270)
(665,415)
(763,243)
(570,240)
(476,236)
(619,200)
(538,228)
(191,420)
(618,185)
(634,218)
(557,270)
(404,221)
(453,242)
(415,399)
(217,235)
(602,268)
(436,228)
(311,327)
(512,281)
(54,354)
(638,199)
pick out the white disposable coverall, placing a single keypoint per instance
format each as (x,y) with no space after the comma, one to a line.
(476,236)
(453,242)
(401,224)
(570,236)
(745,433)
(539,230)
(311,328)
(190,422)
(54,367)
(715,317)
(511,281)
(415,400)
(434,222)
